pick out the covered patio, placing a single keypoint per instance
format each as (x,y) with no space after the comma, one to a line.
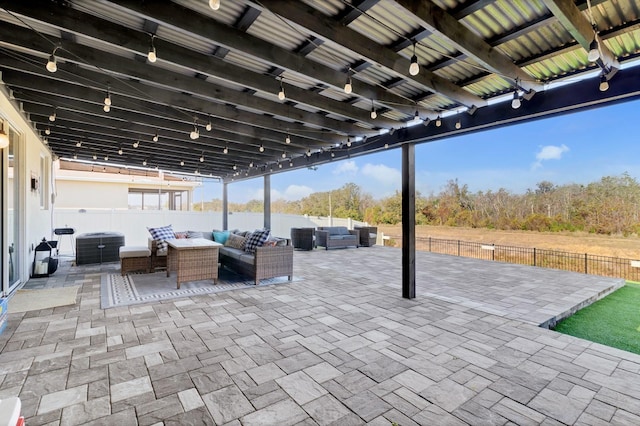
(338,347)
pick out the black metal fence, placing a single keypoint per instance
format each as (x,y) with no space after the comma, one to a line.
(629,269)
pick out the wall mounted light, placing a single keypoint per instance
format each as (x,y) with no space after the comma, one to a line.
(414,68)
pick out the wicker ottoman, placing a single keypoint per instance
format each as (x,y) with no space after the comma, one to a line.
(135,258)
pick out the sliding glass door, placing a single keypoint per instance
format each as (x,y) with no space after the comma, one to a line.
(13,258)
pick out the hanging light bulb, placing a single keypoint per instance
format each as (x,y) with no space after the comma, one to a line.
(107,99)
(144,162)
(202,158)
(52,65)
(279,165)
(438,121)
(516,102)
(458,124)
(225,150)
(416,117)
(136,144)
(78,144)
(604,83)
(261,148)
(414,68)
(374,114)
(251,164)
(106,108)
(151,56)
(45,141)
(195,134)
(284,154)
(347,86)
(52,117)
(594,51)
(235,167)
(155,138)
(308,153)
(75,156)
(348,142)
(95,157)
(386,145)
(214,4)
(120,151)
(281,94)
(209,126)
(106,158)
(287,139)
(47,131)
(182,163)
(333,154)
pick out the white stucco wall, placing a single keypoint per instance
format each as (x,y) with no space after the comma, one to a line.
(35,222)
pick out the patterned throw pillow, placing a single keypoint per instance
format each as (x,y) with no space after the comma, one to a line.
(181,235)
(235,241)
(256,239)
(161,235)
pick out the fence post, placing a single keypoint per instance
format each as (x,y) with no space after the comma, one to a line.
(585,262)
(458,247)
(429,243)
(534,256)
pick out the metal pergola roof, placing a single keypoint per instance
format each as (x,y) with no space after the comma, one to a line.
(222,70)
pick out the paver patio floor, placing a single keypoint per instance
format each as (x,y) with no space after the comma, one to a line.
(339,347)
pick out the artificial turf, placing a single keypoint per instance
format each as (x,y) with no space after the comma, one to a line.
(613,321)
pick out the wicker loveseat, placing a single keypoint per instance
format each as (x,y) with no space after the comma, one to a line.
(266,262)
(337,237)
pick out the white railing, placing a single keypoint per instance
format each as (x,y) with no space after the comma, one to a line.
(133,223)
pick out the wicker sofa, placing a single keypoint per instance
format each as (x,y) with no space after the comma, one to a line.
(337,237)
(266,262)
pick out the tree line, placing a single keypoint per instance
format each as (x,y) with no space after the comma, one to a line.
(608,206)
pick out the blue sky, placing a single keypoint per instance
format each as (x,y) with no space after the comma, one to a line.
(574,148)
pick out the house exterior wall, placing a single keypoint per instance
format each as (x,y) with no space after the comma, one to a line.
(91,194)
(34,209)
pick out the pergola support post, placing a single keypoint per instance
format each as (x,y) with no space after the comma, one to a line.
(408,221)
(267,201)
(225,206)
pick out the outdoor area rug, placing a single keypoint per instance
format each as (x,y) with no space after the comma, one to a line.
(35,300)
(116,290)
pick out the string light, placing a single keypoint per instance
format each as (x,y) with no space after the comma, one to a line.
(144,162)
(195,134)
(594,48)
(106,108)
(202,158)
(347,86)
(287,140)
(95,157)
(235,167)
(374,114)
(515,103)
(438,121)
(458,124)
(225,150)
(47,131)
(604,83)
(308,153)
(284,154)
(52,65)
(261,148)
(120,151)
(281,94)
(209,126)
(155,138)
(136,144)
(53,115)
(348,142)
(78,144)
(106,158)
(182,163)
(75,156)
(214,4)
(151,56)
(107,99)
(414,68)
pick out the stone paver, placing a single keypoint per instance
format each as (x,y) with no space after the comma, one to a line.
(340,346)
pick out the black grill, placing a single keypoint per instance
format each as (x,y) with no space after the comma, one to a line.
(64,231)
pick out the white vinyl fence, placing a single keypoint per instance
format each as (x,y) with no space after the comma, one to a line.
(133,223)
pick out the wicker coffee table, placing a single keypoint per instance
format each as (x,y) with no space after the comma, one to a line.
(193,259)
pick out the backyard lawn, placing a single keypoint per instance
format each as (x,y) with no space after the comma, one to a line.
(613,321)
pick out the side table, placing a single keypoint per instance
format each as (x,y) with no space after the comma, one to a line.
(193,259)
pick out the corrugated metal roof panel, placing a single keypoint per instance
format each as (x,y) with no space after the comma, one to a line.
(277,31)
(227,14)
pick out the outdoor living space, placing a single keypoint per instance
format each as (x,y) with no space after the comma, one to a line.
(337,346)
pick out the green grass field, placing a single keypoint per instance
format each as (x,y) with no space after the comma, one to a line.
(613,321)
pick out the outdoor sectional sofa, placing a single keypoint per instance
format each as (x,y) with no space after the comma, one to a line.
(266,262)
(337,237)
